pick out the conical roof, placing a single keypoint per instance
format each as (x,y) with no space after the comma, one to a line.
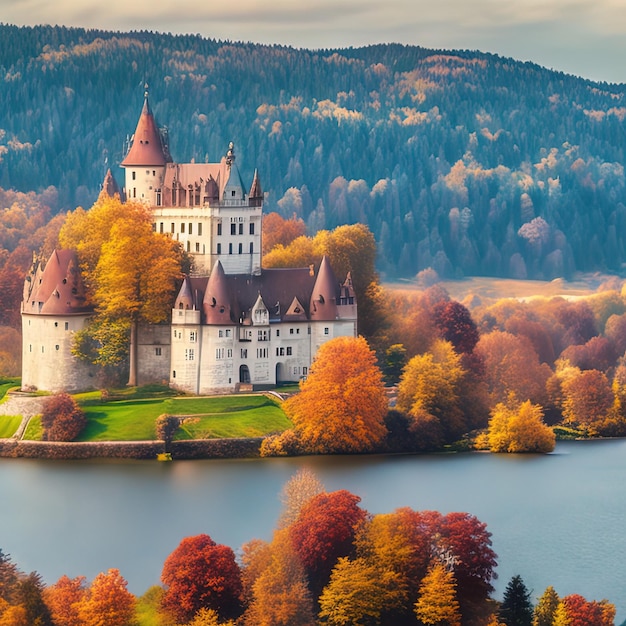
(324,295)
(109,185)
(146,147)
(185,299)
(216,304)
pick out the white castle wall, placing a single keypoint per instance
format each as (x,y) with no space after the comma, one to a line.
(47,361)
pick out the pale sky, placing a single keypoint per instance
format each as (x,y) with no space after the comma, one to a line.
(582,37)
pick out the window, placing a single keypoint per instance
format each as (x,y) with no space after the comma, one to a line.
(197,246)
(189,354)
(289,351)
(262,335)
(175,334)
(241,229)
(188,245)
(244,353)
(157,351)
(153,172)
(220,333)
(219,353)
(219,228)
(56,347)
(230,248)
(280,351)
(200,229)
(190,228)
(30,347)
(192,335)
(233,229)
(67,325)
(173,227)
(219,248)
(278,332)
(251,248)
(233,193)
(182,227)
(134,175)
(174,374)
(305,371)
(297,331)
(158,197)
(227,332)
(56,324)
(252,228)
(326,330)
(229,353)
(161,227)
(291,331)
(261,353)
(240,248)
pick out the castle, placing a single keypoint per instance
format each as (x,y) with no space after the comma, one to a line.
(234,325)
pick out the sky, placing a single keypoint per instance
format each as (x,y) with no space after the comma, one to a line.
(582,37)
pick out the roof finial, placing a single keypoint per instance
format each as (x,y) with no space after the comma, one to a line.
(145,92)
(230,155)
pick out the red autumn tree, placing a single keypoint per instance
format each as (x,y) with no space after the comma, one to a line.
(325,531)
(465,540)
(108,601)
(581,612)
(62,419)
(455,324)
(201,573)
(63,600)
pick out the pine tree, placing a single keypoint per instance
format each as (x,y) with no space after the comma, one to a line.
(516,608)
(437,604)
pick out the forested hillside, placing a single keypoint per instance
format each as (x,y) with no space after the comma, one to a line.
(462,161)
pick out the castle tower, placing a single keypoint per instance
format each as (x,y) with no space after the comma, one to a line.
(54,308)
(145,160)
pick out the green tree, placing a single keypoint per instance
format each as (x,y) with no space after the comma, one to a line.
(437,604)
(516,608)
(342,404)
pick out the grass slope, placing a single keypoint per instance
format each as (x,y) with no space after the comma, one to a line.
(224,416)
(8,425)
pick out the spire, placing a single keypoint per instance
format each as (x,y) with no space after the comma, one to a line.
(185,299)
(146,146)
(324,296)
(109,185)
(255,197)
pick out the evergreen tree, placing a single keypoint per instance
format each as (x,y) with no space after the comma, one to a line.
(516,608)
(546,608)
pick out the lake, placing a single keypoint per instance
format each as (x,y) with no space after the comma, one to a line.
(556,519)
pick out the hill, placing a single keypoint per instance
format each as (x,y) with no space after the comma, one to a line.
(468,162)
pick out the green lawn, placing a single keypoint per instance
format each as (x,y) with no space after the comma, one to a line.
(6,384)
(223,416)
(8,425)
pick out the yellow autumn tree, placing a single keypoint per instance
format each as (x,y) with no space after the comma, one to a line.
(342,404)
(437,604)
(108,601)
(429,393)
(519,427)
(359,592)
(131,273)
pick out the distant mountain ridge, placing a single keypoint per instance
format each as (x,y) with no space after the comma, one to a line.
(466,162)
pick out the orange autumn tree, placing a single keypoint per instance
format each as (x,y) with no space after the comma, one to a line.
(342,404)
(108,601)
(280,231)
(64,599)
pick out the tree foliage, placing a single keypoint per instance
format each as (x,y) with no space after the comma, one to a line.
(296,492)
(342,404)
(201,573)
(64,599)
(545,610)
(108,602)
(437,604)
(62,419)
(519,427)
(516,608)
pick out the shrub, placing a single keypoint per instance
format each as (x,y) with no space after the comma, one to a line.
(62,419)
